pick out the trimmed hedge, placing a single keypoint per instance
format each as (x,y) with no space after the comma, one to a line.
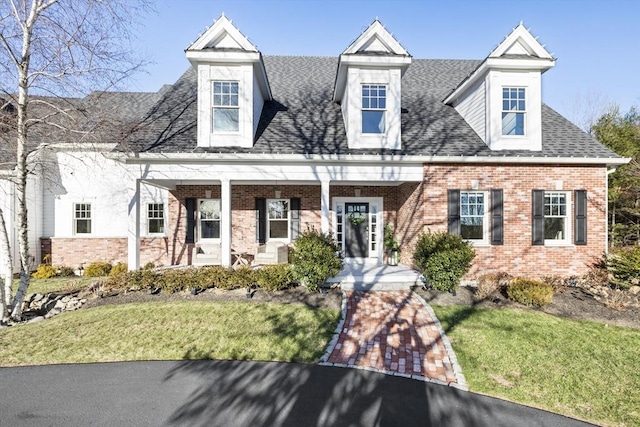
(275,277)
(530,292)
(443,258)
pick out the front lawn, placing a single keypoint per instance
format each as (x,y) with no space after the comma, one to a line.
(582,369)
(172,330)
(56,284)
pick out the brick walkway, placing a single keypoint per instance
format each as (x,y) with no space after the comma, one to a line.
(395,332)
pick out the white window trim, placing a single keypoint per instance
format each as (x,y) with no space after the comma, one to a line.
(268,231)
(524,113)
(379,203)
(485,219)
(198,228)
(164,219)
(567,240)
(384,110)
(237,107)
(75,220)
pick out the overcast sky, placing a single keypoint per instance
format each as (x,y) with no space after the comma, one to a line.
(596,43)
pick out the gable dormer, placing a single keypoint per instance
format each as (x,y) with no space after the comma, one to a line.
(368,88)
(502,99)
(232,86)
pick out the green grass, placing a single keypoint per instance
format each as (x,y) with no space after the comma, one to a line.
(582,369)
(170,331)
(55,284)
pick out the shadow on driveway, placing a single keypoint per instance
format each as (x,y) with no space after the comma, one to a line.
(235,393)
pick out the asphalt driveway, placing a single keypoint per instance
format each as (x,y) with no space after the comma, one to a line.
(235,393)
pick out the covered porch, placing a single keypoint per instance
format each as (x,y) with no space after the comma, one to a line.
(229,208)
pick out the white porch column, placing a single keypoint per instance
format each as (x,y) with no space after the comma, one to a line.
(133,233)
(225,232)
(325,219)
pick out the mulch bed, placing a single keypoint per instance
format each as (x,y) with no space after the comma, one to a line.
(572,303)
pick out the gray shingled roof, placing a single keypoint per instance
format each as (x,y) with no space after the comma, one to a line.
(100,117)
(303,119)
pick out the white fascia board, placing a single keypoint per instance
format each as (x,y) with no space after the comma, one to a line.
(364,61)
(141,158)
(223,56)
(222,25)
(376,29)
(521,33)
(507,64)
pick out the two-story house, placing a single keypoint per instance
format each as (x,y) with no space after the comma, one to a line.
(245,149)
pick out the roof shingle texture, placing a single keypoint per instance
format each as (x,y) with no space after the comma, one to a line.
(303,119)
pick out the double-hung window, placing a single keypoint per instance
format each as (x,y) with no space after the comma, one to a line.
(472,215)
(374,104)
(155,218)
(555,216)
(226,111)
(82,218)
(278,218)
(209,219)
(513,110)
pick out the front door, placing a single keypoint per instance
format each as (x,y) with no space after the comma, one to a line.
(356,240)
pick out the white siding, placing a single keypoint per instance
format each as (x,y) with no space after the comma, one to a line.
(7,203)
(472,108)
(92,178)
(258,103)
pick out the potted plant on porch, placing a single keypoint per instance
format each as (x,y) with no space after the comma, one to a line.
(391,245)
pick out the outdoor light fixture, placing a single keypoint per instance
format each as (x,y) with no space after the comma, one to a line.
(277,191)
(207,194)
(474,184)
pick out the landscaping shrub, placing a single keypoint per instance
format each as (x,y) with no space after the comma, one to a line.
(443,258)
(624,266)
(274,277)
(214,276)
(97,269)
(65,271)
(559,283)
(44,271)
(119,268)
(530,292)
(242,277)
(149,266)
(176,280)
(490,283)
(315,257)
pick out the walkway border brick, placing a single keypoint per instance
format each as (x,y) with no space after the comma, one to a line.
(344,334)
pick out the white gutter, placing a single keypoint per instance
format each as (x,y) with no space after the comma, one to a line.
(139,158)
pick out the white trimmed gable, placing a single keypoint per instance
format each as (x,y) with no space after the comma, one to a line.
(516,63)
(223,55)
(375,59)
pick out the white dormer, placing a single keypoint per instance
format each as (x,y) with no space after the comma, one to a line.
(368,88)
(232,86)
(502,99)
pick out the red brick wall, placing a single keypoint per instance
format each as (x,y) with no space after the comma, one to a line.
(76,251)
(410,207)
(518,256)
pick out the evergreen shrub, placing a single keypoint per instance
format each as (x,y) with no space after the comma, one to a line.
(530,292)
(315,257)
(443,258)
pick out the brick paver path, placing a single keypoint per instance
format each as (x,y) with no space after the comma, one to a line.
(395,332)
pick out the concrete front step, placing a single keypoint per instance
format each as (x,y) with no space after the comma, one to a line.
(375,277)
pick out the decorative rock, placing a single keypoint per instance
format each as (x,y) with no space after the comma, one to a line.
(635,290)
(52,313)
(36,297)
(36,319)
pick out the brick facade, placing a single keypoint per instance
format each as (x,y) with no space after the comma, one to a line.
(410,207)
(517,255)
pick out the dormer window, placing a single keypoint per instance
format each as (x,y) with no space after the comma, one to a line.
(225,107)
(374,104)
(513,111)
